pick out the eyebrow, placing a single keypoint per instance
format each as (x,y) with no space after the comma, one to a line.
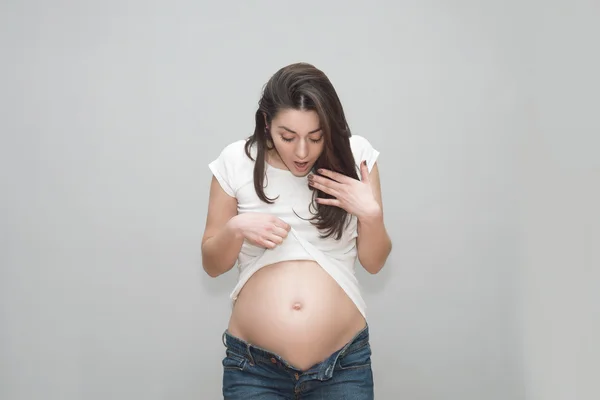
(289,130)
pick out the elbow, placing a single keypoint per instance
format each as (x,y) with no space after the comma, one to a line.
(210,266)
(374,268)
(215,268)
(213,273)
(372,265)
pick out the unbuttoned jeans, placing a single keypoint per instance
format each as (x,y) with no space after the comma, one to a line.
(253,373)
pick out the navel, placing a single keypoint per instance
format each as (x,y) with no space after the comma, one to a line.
(297,306)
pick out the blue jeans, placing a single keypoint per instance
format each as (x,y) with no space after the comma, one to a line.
(253,373)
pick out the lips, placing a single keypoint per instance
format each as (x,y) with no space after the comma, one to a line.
(301,166)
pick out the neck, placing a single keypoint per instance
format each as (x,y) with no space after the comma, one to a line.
(273,158)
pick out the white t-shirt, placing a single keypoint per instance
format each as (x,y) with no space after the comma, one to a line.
(234,171)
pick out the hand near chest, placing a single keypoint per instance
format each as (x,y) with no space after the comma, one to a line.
(262,230)
(357,197)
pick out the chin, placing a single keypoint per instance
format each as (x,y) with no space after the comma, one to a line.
(300,174)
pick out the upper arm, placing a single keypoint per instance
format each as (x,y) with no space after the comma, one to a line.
(221,208)
(372,241)
(376,184)
(364,151)
(222,203)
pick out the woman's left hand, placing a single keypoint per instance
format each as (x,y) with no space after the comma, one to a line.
(354,196)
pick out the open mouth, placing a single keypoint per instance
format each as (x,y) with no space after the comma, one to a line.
(301,166)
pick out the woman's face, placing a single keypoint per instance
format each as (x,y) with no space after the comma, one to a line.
(298,138)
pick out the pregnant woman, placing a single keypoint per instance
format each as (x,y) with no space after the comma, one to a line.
(294,206)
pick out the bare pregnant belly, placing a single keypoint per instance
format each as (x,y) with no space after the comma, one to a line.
(296,310)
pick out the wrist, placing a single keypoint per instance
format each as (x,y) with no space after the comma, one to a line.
(234,227)
(372,216)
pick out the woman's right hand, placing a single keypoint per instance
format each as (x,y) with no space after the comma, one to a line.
(263,230)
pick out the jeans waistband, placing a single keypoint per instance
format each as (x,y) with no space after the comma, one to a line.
(256,354)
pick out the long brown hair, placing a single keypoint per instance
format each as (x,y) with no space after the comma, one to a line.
(301,86)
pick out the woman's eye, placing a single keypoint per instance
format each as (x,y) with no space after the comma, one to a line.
(286,139)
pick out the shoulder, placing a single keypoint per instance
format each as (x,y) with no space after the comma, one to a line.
(362,149)
(234,149)
(234,154)
(229,166)
(360,144)
(358,141)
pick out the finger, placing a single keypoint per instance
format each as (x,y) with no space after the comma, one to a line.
(324,188)
(282,224)
(325,181)
(336,176)
(329,202)
(274,239)
(268,243)
(280,232)
(364,171)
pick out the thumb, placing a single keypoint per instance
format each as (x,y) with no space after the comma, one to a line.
(364,171)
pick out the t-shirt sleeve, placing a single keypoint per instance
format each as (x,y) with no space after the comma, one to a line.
(363,151)
(224,166)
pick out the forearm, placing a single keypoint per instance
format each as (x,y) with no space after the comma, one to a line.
(373,243)
(220,252)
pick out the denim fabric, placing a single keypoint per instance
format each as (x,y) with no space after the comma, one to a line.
(252,373)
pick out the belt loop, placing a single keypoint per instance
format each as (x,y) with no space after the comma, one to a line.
(223,338)
(248,350)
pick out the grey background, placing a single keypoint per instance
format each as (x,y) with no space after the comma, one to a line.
(486,117)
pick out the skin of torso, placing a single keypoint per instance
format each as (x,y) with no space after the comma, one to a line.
(297,310)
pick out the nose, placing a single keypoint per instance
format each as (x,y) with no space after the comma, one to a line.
(302,149)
